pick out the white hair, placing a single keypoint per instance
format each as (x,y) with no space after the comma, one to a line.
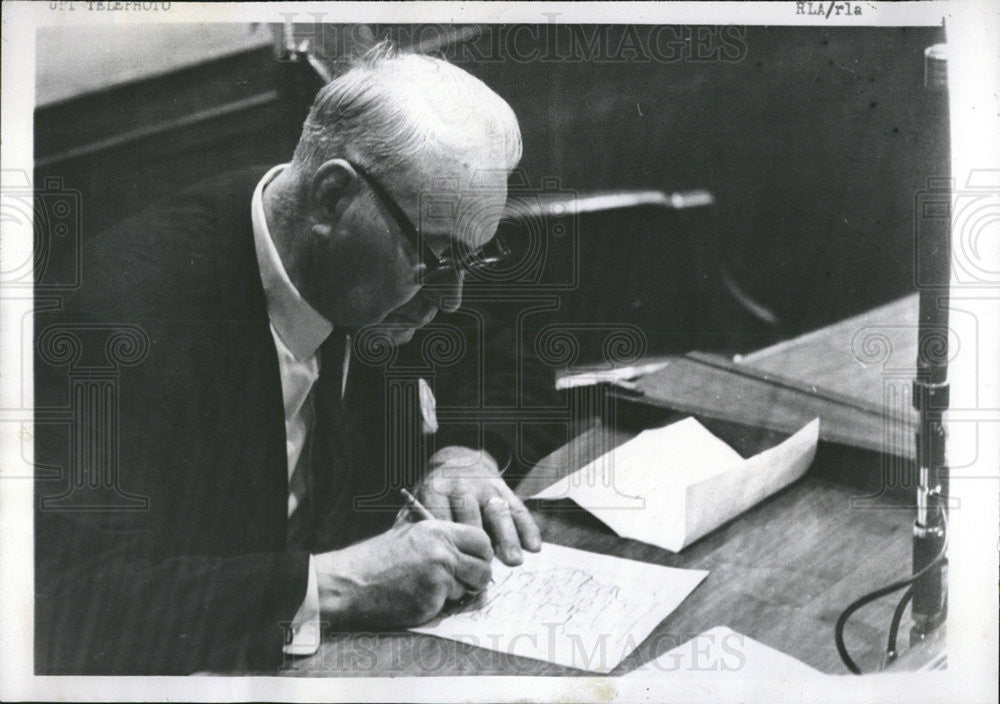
(393,110)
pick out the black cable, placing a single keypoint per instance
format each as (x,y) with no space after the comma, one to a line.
(897,616)
(838,629)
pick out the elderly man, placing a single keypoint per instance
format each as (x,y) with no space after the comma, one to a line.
(234,436)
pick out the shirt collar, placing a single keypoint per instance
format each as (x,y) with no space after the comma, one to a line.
(300,327)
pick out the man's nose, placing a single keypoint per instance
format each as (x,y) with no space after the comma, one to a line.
(446,291)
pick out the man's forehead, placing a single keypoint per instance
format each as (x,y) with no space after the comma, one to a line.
(458,179)
(456,195)
(469,218)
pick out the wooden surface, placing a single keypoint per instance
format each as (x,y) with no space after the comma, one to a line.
(706,386)
(781,573)
(859,356)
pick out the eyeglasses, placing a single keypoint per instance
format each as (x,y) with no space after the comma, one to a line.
(460,258)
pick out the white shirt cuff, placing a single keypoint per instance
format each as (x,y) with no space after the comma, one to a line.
(306,629)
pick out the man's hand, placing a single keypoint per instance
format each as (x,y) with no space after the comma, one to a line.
(403,576)
(464,485)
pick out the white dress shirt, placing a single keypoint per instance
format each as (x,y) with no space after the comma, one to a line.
(298,331)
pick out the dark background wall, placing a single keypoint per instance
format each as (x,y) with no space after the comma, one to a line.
(814,141)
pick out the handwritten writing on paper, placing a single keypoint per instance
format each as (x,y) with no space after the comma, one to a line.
(570,607)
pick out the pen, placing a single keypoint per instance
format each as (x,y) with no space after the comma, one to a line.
(412,503)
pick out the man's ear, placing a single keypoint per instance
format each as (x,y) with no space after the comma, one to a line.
(332,183)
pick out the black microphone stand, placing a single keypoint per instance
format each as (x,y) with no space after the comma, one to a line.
(930,387)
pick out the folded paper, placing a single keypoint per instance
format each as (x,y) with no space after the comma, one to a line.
(670,486)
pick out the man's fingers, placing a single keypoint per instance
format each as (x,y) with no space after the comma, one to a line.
(531,537)
(465,509)
(473,572)
(469,540)
(437,504)
(500,524)
(456,590)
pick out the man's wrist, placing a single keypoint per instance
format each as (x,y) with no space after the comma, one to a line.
(335,587)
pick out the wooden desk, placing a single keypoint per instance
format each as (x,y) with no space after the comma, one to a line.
(780,573)
(852,357)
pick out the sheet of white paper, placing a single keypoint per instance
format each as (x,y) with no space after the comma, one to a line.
(571,607)
(723,651)
(672,485)
(713,501)
(677,454)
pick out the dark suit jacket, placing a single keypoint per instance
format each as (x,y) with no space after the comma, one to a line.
(161,491)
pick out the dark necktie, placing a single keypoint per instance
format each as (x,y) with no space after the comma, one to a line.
(320,474)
